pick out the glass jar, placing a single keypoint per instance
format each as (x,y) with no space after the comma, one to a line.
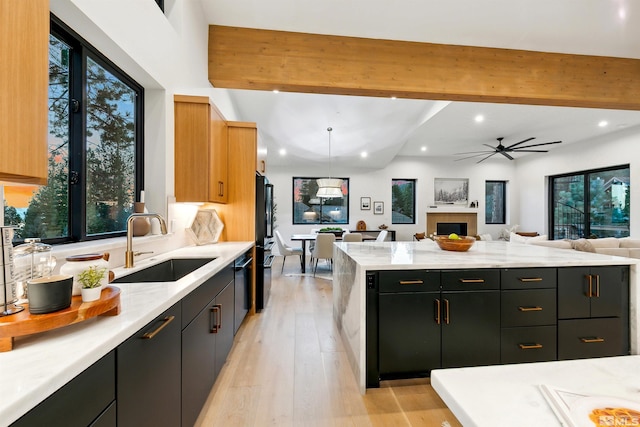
(76,264)
(32,260)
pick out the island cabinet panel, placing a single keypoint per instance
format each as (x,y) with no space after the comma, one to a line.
(593,312)
(87,400)
(148,374)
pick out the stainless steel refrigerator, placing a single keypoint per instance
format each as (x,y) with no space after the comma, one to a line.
(264,240)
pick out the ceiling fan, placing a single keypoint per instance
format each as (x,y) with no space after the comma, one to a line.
(513,148)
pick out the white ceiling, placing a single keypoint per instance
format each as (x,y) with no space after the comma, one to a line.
(385,128)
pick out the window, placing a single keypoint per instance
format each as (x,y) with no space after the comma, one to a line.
(593,203)
(403,201)
(309,209)
(495,196)
(95,149)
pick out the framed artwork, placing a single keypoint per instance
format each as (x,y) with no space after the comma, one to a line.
(365,203)
(378,208)
(451,191)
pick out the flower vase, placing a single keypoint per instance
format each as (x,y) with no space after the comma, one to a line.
(141,226)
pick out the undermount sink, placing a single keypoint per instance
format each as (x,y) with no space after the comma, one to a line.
(166,271)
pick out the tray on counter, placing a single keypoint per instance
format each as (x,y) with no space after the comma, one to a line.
(25,323)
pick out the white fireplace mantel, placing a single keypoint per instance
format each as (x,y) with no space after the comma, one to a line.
(452,208)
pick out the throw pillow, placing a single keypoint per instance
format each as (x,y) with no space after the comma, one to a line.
(505,234)
(583,245)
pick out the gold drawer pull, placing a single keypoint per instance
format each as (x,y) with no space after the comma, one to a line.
(165,322)
(530,308)
(530,279)
(529,346)
(437,301)
(471,280)
(591,340)
(411,282)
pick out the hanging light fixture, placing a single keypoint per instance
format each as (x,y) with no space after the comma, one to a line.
(329,187)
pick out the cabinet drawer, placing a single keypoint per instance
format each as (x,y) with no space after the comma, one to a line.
(470,280)
(528,278)
(201,296)
(528,308)
(409,281)
(528,344)
(585,338)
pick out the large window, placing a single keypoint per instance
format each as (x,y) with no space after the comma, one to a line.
(95,149)
(495,196)
(592,203)
(310,209)
(403,201)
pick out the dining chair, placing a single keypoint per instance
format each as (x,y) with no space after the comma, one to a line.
(381,236)
(352,237)
(323,249)
(286,250)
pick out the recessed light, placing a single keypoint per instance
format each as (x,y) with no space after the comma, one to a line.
(603,123)
(423,148)
(282,152)
(364,154)
(479,118)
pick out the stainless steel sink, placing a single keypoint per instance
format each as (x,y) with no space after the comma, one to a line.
(167,271)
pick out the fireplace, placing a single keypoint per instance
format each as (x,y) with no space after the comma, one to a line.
(446,228)
(444,221)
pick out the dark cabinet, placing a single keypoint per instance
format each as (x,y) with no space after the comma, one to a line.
(206,340)
(148,374)
(87,400)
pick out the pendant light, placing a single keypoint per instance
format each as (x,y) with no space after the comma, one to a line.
(329,187)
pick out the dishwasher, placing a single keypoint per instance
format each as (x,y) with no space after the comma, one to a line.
(242,282)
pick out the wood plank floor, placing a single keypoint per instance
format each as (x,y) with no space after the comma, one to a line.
(288,368)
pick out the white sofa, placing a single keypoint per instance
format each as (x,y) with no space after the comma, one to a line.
(625,247)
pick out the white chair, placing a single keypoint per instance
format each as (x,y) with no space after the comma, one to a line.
(381,236)
(323,249)
(286,250)
(352,237)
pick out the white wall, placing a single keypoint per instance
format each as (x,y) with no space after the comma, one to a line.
(533,171)
(377,185)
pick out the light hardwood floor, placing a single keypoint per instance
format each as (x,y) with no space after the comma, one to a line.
(288,368)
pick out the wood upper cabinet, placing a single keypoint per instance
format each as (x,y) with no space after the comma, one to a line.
(24,80)
(200,151)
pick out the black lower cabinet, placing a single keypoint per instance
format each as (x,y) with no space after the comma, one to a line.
(87,400)
(148,374)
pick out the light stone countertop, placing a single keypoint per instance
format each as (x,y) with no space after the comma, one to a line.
(40,364)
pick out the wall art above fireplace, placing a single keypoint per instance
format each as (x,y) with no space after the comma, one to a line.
(451,191)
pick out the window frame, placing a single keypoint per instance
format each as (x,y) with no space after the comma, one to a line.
(504,201)
(322,203)
(413,199)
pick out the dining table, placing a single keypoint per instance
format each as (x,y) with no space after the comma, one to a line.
(304,238)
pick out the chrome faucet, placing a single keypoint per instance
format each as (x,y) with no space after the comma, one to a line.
(128,255)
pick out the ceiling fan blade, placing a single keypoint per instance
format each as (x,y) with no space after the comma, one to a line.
(506,155)
(492,154)
(537,145)
(474,152)
(474,155)
(521,142)
(531,151)
(490,146)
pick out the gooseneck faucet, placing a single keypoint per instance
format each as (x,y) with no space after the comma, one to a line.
(128,255)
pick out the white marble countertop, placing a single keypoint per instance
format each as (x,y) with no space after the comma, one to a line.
(509,395)
(483,254)
(40,364)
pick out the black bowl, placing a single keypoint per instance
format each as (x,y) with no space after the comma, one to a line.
(48,294)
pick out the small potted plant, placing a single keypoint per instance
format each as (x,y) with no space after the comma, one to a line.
(90,280)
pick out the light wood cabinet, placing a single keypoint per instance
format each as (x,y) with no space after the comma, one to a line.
(24,80)
(200,151)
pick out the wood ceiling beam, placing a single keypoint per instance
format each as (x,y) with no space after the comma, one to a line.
(241,58)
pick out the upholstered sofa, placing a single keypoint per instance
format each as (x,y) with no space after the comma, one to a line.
(625,247)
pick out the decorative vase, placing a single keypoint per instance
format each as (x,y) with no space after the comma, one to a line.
(91,294)
(141,226)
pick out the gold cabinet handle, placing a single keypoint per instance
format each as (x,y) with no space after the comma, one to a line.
(597,286)
(530,308)
(471,280)
(437,317)
(155,332)
(216,315)
(529,346)
(446,311)
(530,279)
(591,340)
(590,279)
(411,282)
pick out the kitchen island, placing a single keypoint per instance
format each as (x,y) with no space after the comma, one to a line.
(355,261)
(40,364)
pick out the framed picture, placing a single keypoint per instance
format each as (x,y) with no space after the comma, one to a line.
(451,191)
(378,208)
(365,203)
